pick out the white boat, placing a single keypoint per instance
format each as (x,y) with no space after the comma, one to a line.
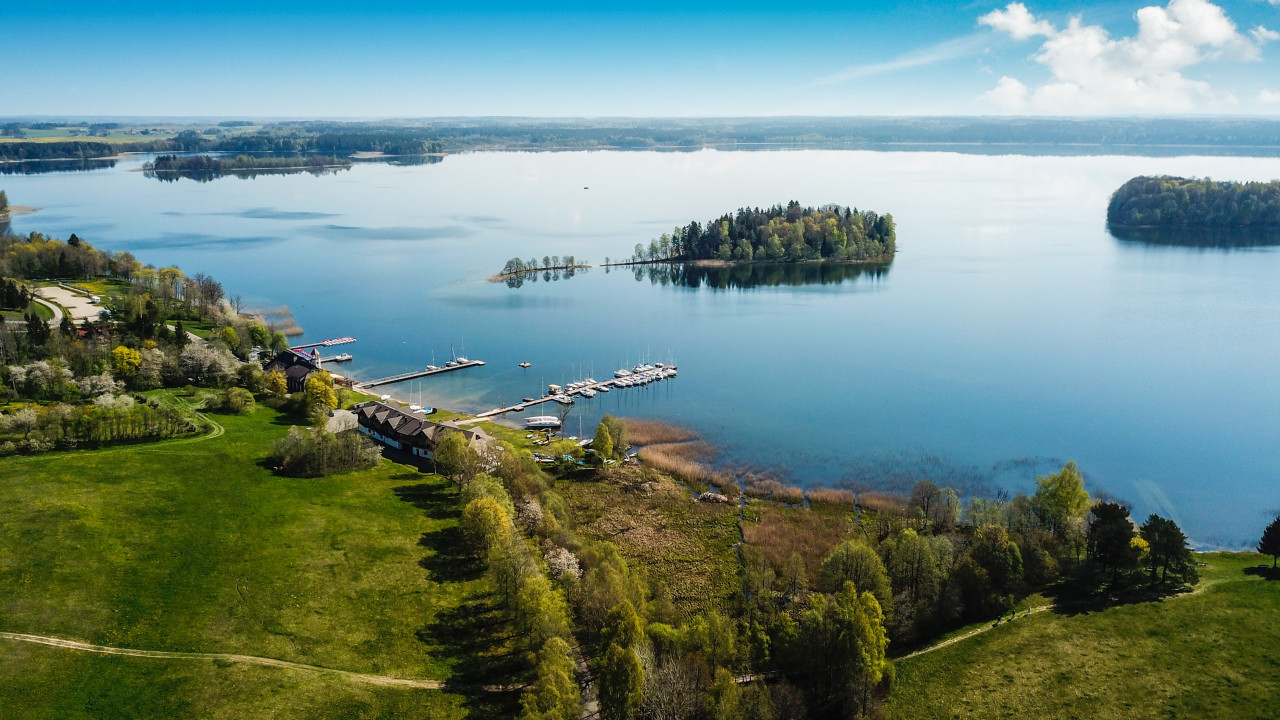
(563,399)
(433,367)
(462,360)
(622,373)
(603,388)
(542,422)
(451,363)
(588,393)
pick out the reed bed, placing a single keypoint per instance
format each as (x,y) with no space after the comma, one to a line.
(831,496)
(688,462)
(882,501)
(656,432)
(782,531)
(770,489)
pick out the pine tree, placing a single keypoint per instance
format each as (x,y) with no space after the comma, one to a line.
(1270,543)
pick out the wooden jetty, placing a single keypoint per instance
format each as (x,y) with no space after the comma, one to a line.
(325,343)
(420,373)
(576,392)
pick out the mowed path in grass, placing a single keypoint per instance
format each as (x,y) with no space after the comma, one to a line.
(195,547)
(1214,653)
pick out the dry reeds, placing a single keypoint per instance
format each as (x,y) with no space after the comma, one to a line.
(686,461)
(278,320)
(770,489)
(831,496)
(655,432)
(780,533)
(882,501)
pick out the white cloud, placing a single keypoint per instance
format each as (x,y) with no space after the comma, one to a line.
(1008,94)
(1262,35)
(1016,20)
(939,52)
(1267,97)
(1095,73)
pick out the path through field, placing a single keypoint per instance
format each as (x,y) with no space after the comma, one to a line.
(252,660)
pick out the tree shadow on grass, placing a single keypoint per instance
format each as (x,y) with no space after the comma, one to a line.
(1081,602)
(451,560)
(1264,572)
(436,501)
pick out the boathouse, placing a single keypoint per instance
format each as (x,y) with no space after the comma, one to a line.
(296,366)
(410,431)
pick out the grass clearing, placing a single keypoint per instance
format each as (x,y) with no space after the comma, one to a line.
(194,546)
(1214,653)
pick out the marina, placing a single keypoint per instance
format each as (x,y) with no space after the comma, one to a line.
(458,364)
(640,375)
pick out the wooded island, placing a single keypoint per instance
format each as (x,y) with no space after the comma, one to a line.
(1168,201)
(779,234)
(208,165)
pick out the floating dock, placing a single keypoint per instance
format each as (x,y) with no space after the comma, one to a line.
(325,343)
(343,357)
(663,373)
(419,373)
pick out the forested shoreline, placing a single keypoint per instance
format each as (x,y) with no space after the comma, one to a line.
(1168,201)
(778,234)
(204,167)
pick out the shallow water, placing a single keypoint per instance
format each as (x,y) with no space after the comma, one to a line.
(1011,333)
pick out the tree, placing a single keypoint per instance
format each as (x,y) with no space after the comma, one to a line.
(279,343)
(854,561)
(554,694)
(1270,542)
(455,459)
(623,626)
(180,337)
(621,683)
(259,335)
(125,361)
(275,383)
(912,564)
(229,337)
(540,611)
(1061,500)
(485,523)
(66,327)
(38,332)
(603,442)
(1111,545)
(1167,550)
(318,390)
(4,203)
(840,646)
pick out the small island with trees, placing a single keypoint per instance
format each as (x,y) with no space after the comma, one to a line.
(1175,202)
(778,234)
(201,167)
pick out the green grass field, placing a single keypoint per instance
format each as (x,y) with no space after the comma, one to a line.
(194,546)
(1211,654)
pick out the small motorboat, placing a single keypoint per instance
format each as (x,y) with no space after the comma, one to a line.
(526,364)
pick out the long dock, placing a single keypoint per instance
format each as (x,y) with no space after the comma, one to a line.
(324,343)
(419,373)
(612,383)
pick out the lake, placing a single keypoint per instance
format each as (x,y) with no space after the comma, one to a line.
(1011,333)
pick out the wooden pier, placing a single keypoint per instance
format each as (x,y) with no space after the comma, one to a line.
(612,383)
(419,373)
(325,343)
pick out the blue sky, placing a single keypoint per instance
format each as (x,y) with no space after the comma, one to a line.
(379,59)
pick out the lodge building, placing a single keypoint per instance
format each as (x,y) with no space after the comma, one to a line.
(410,431)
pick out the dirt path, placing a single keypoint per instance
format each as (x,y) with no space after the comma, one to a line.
(382,680)
(971,633)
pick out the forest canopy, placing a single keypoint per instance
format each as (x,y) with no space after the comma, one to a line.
(1167,201)
(780,234)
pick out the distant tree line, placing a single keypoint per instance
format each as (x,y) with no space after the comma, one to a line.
(779,234)
(55,150)
(1167,201)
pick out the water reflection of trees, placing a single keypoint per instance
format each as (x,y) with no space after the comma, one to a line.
(1198,237)
(37,167)
(532,276)
(752,275)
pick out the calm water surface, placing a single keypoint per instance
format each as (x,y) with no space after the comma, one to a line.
(1011,333)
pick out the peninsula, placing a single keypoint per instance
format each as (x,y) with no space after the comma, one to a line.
(778,234)
(1175,202)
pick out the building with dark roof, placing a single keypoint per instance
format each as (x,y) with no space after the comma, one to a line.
(296,366)
(410,431)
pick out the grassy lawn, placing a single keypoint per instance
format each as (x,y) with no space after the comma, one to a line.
(41,311)
(195,546)
(105,287)
(1211,654)
(664,533)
